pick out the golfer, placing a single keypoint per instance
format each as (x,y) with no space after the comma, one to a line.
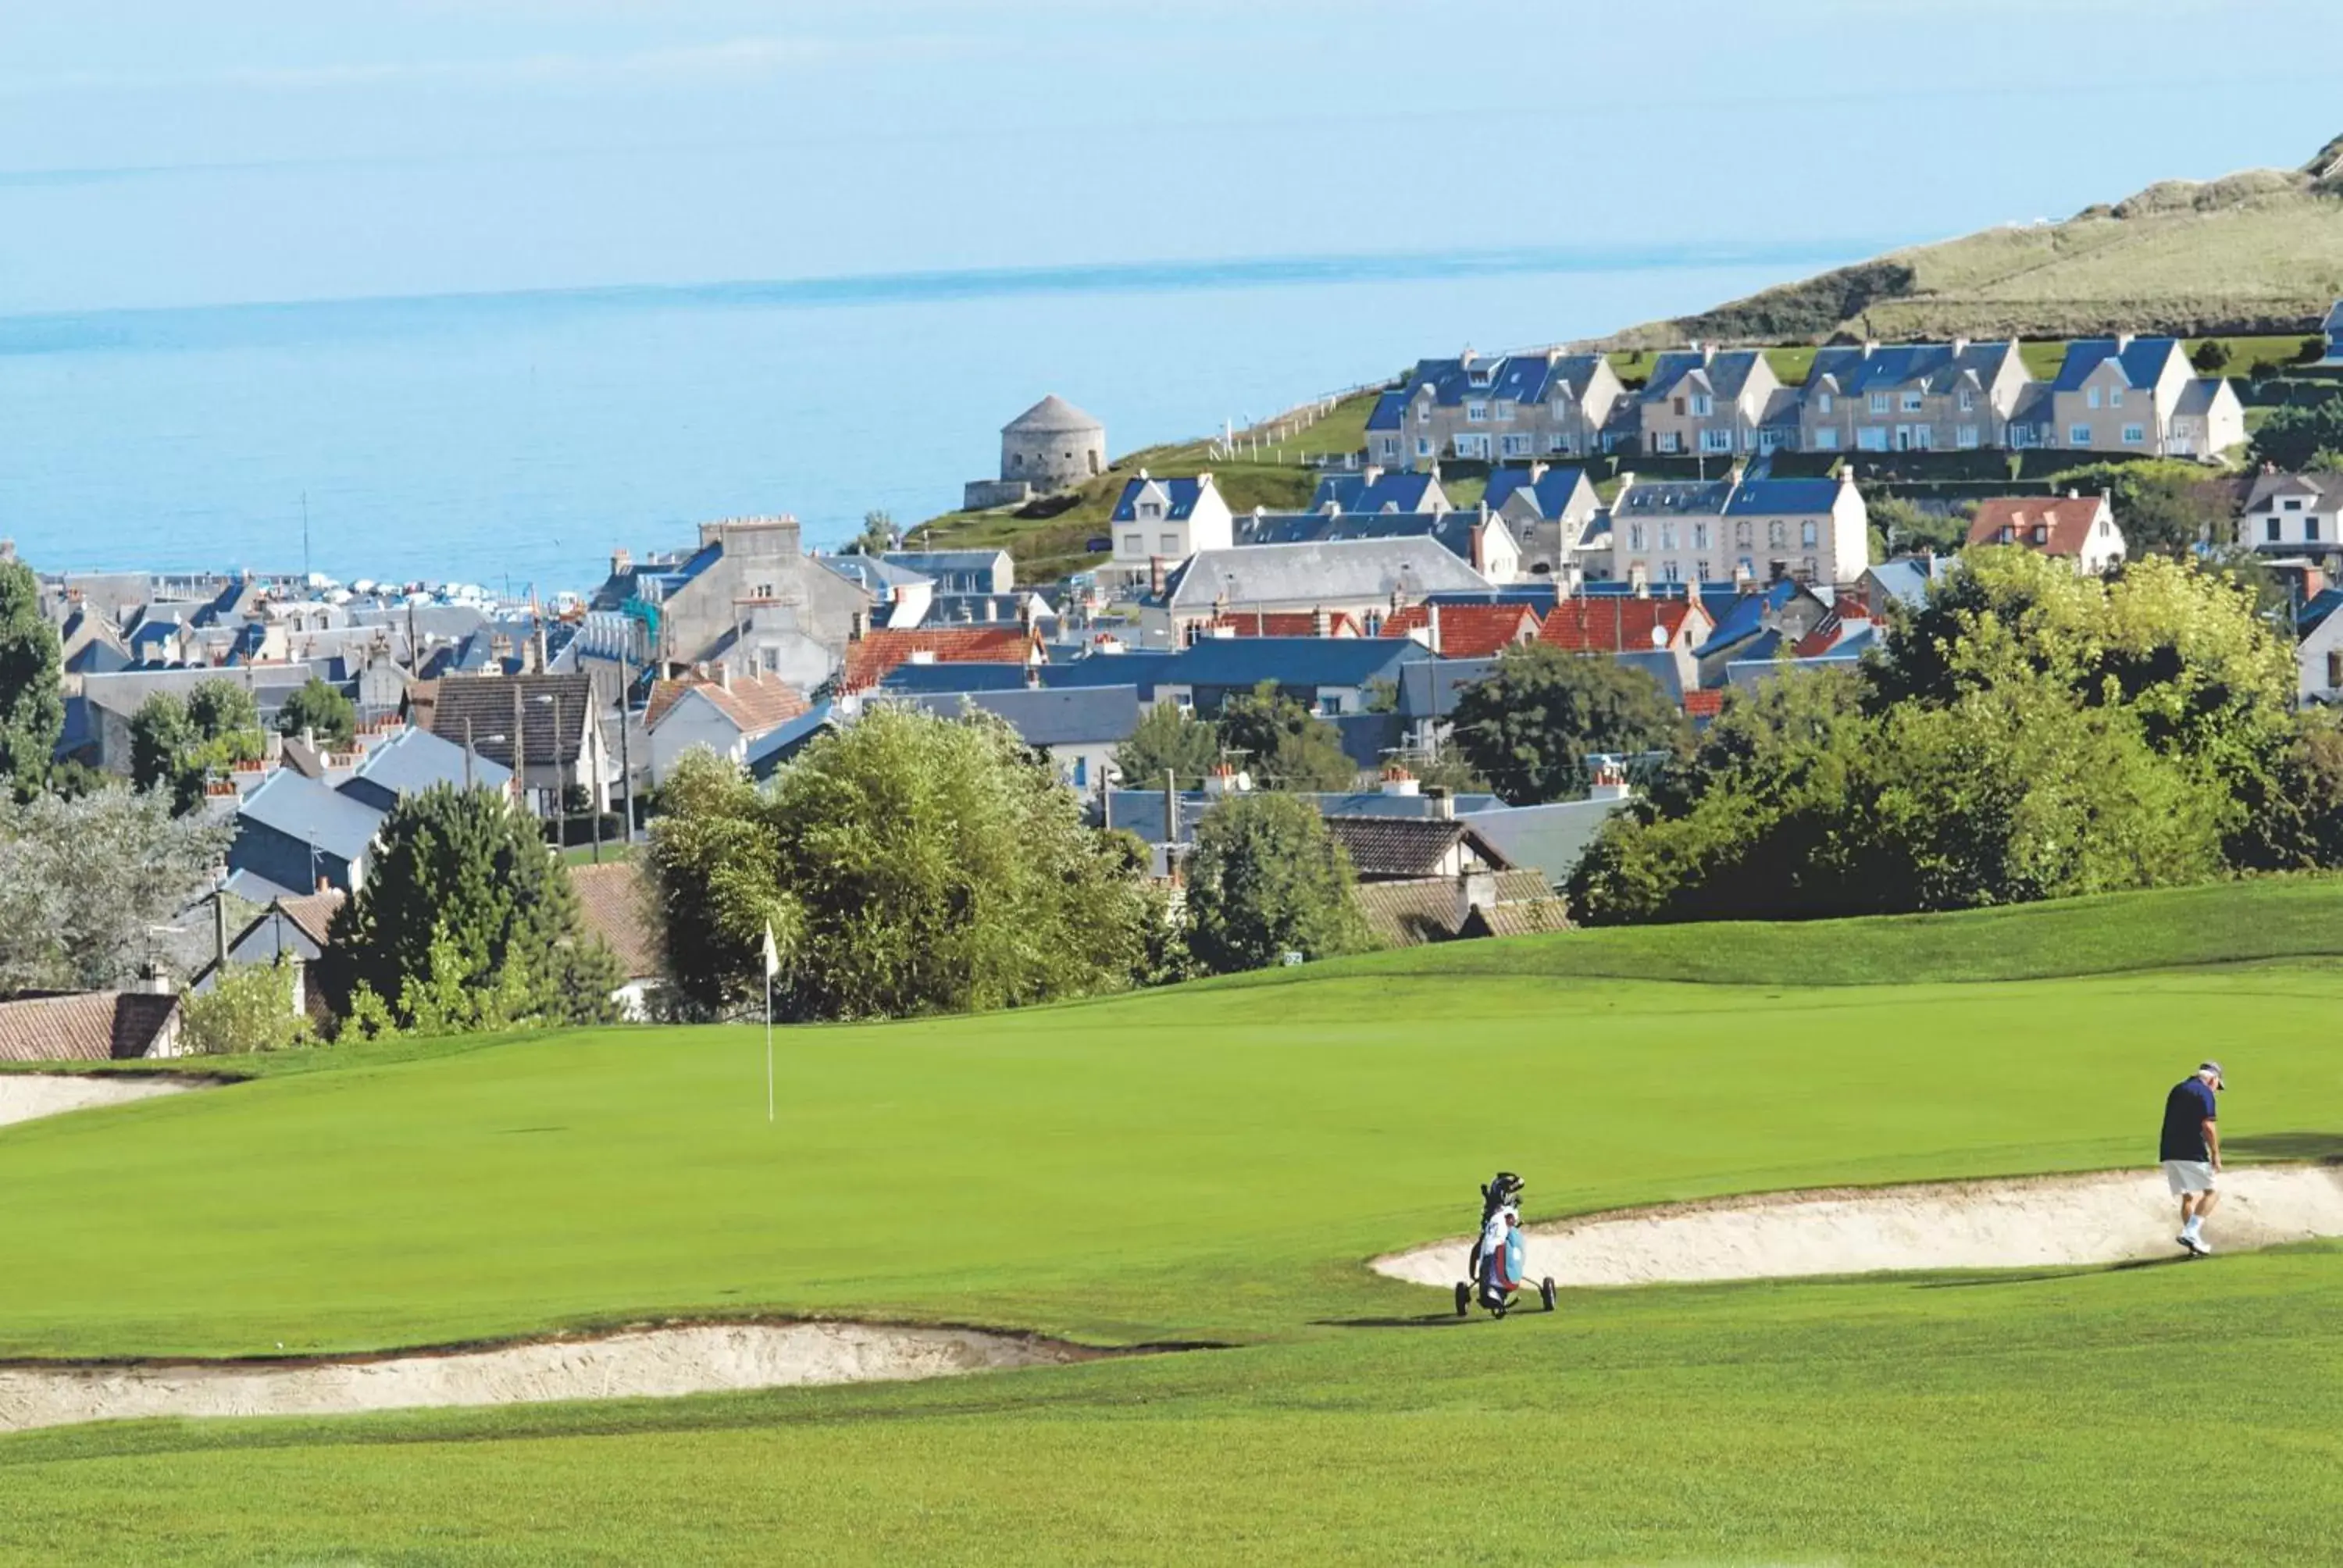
(2191,1152)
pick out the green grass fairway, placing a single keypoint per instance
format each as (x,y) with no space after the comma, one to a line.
(1213,1165)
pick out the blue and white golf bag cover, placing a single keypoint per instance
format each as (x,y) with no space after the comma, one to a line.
(1502,1254)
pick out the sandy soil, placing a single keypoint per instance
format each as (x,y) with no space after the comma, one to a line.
(660,1363)
(2107,1218)
(25,1096)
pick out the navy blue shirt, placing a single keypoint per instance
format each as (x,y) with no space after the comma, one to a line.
(2186,1110)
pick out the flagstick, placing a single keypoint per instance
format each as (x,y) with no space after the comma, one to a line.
(769,1048)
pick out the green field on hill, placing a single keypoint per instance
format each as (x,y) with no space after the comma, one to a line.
(1215,1163)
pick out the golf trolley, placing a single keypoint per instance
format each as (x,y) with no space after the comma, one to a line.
(1500,1254)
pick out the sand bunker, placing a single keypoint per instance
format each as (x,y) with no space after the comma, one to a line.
(25,1096)
(656,1363)
(2109,1218)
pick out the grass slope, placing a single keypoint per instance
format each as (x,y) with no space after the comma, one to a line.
(2258,252)
(1213,1162)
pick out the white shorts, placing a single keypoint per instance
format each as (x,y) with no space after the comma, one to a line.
(2189,1175)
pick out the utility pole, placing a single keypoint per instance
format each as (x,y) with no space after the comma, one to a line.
(626,759)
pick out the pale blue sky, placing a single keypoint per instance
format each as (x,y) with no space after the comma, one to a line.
(156,152)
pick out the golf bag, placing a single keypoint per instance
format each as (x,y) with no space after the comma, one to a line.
(1498,1256)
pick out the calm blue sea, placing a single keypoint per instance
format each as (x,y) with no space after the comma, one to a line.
(515,438)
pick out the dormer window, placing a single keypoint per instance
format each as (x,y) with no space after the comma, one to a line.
(1504,411)
(1476,412)
(1480,374)
(1150,509)
(2091,397)
(1822,402)
(2115,397)
(1423,412)
(1968,399)
(1879,402)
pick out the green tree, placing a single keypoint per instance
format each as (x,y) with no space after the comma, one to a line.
(1283,744)
(321,708)
(1168,740)
(1904,529)
(466,920)
(1266,878)
(908,864)
(2164,506)
(2212,356)
(2295,434)
(1530,724)
(32,701)
(83,882)
(246,1008)
(176,744)
(877,537)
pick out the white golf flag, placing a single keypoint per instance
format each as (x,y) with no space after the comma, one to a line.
(772,953)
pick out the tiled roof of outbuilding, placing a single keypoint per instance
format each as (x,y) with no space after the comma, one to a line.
(88,1026)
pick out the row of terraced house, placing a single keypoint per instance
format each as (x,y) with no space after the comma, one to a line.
(2135,395)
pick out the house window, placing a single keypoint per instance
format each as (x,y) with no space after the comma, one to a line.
(1700,535)
(1424,445)
(1423,412)
(1716,440)
(1148,512)
(2091,397)
(1703,405)
(1672,572)
(1667,535)
(1700,570)
(1476,413)
(1968,399)
(1872,438)
(1504,411)
(1879,402)
(2275,536)
(1516,445)
(1822,402)
(1741,535)
(1966,439)
(2334,668)
(2134,435)
(1806,535)
(1634,536)
(1913,402)
(2290,504)
(1330,703)
(1134,545)
(1168,543)
(1826,439)
(2080,437)
(1809,574)
(2310,530)
(2115,397)
(1390,446)
(1774,535)
(1557,443)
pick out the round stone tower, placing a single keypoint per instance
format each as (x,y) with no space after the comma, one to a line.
(1052,445)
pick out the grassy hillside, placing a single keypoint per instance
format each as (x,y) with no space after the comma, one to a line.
(2258,252)
(1214,1163)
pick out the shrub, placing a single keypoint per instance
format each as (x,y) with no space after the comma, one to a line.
(1266,878)
(248,1007)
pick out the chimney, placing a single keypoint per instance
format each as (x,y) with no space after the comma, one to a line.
(621,562)
(324,885)
(1370,474)
(1155,575)
(1870,346)
(1476,888)
(1440,805)
(923,656)
(1432,625)
(1610,779)
(1032,677)
(1399,782)
(724,675)
(1960,346)
(1224,780)
(2123,341)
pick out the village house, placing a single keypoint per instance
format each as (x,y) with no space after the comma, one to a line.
(1716,403)
(958,571)
(1660,634)
(615,908)
(90,1026)
(725,714)
(2293,515)
(1547,509)
(1911,397)
(1374,489)
(1736,530)
(292,930)
(2078,528)
(1502,409)
(1157,523)
(747,598)
(554,722)
(1077,728)
(296,836)
(2140,395)
(1478,537)
(1364,579)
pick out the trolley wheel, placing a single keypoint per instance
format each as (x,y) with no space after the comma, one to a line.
(1464,1298)
(1546,1293)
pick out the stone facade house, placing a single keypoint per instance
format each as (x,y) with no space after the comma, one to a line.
(1669,533)
(1509,408)
(2078,528)
(559,722)
(2140,395)
(1911,397)
(1366,579)
(1547,509)
(1478,537)
(1702,400)
(748,598)
(724,713)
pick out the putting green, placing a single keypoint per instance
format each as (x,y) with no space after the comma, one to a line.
(1215,1163)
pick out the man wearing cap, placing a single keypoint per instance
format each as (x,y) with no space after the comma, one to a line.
(2191,1152)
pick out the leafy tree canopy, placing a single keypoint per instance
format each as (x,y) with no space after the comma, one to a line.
(1529,727)
(176,744)
(83,883)
(1266,878)
(1168,740)
(1283,744)
(321,708)
(2294,435)
(32,703)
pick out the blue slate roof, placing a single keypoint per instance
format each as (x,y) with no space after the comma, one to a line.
(1080,715)
(1728,373)
(1661,667)
(959,675)
(1522,378)
(1451,530)
(1935,366)
(1292,661)
(1140,811)
(1389,412)
(306,810)
(1428,689)
(1673,497)
(1741,618)
(1550,492)
(1906,578)
(1774,497)
(1384,493)
(2316,610)
(2143,360)
(1178,504)
(414,760)
(2335,320)
(770,751)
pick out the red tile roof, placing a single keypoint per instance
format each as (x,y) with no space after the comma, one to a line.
(1469,630)
(868,661)
(611,901)
(1830,632)
(1620,623)
(90,1026)
(1285,623)
(2059,526)
(756,703)
(1703,704)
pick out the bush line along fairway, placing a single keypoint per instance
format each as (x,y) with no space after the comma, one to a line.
(1215,1163)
